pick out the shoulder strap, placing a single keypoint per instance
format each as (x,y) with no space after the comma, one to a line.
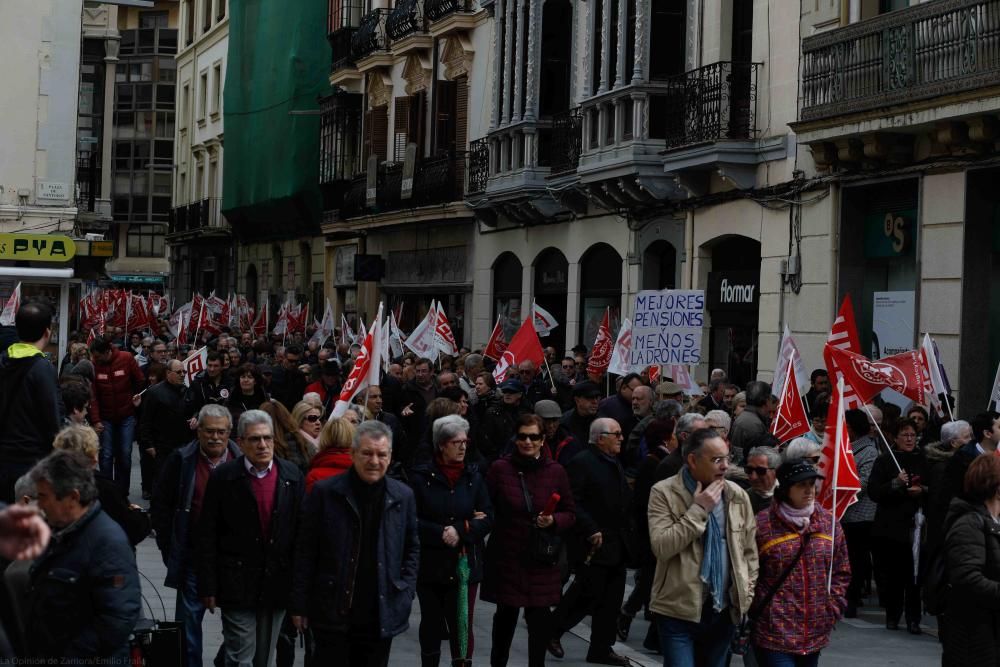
(781,580)
(527,497)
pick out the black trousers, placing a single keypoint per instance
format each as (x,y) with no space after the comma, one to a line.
(539,633)
(350,649)
(596,591)
(439,618)
(859,551)
(898,591)
(148,468)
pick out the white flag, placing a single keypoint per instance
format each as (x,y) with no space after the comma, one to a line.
(543,319)
(444,339)
(325,328)
(194,364)
(10,308)
(788,350)
(423,339)
(394,336)
(682,377)
(995,394)
(623,349)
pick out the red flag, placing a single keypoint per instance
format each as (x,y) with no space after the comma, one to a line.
(654,374)
(604,344)
(791,420)
(843,336)
(496,346)
(524,345)
(841,483)
(443,336)
(867,378)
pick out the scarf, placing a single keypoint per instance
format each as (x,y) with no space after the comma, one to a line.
(526,463)
(451,471)
(711,563)
(799,518)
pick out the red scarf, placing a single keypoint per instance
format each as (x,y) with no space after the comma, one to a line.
(451,471)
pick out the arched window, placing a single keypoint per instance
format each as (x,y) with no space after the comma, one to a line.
(507,273)
(600,289)
(551,280)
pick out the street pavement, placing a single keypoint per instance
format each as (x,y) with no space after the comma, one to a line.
(861,642)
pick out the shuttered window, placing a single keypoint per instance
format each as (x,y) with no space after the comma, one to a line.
(418,120)
(444,116)
(400,128)
(377,133)
(461,131)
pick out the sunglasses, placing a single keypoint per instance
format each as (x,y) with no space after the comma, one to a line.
(312,418)
(759,470)
(534,437)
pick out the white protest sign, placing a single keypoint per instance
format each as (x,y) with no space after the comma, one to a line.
(666,327)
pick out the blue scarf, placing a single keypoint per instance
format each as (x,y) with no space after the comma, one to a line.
(711,573)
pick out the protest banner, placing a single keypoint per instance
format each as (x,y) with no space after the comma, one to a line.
(667,327)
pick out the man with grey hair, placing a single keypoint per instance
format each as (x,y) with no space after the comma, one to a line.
(85,597)
(762,462)
(359,530)
(717,374)
(602,545)
(672,464)
(175,509)
(163,426)
(720,421)
(246,543)
(472,367)
(713,400)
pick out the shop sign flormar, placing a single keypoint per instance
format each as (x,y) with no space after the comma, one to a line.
(733,290)
(37,247)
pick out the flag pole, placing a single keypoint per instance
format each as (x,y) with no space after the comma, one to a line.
(838,439)
(887,445)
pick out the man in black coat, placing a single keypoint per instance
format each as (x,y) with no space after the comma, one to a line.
(164,425)
(602,495)
(288,383)
(586,395)
(208,386)
(245,542)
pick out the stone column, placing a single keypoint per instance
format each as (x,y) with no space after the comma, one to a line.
(640,65)
(508,56)
(620,73)
(534,58)
(498,25)
(605,47)
(518,65)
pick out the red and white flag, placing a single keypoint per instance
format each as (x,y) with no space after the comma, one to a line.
(346,334)
(544,321)
(841,484)
(325,328)
(621,361)
(900,372)
(178,323)
(934,384)
(496,345)
(394,337)
(788,351)
(791,420)
(843,336)
(444,339)
(654,375)
(524,345)
(365,372)
(10,308)
(682,378)
(600,356)
(194,364)
(423,339)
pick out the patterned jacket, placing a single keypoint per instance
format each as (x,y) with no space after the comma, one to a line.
(802,614)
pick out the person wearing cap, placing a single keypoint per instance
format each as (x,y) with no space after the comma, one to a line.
(668,390)
(500,419)
(796,534)
(701,530)
(560,442)
(328,385)
(586,397)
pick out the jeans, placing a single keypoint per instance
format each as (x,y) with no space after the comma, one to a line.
(705,644)
(250,636)
(116,451)
(351,649)
(190,612)
(766,658)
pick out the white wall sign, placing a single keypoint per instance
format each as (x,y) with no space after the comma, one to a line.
(52,190)
(893,314)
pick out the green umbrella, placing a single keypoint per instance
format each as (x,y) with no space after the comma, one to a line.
(462,615)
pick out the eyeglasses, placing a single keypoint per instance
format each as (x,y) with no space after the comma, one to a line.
(568,367)
(458,443)
(534,437)
(312,418)
(756,470)
(613,434)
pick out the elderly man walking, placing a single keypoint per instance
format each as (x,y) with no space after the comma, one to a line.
(246,538)
(702,532)
(358,556)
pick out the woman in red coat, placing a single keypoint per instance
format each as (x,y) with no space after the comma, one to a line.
(334,456)
(513,580)
(796,624)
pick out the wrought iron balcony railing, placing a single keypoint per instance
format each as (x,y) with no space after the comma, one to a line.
(716,102)
(438,9)
(479,165)
(566,137)
(197,215)
(406,18)
(340,46)
(436,180)
(370,36)
(917,53)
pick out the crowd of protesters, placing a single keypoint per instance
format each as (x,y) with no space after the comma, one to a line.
(537,494)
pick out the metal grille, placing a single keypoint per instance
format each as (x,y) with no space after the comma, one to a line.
(712,103)
(405,19)
(566,141)
(370,35)
(479,165)
(436,9)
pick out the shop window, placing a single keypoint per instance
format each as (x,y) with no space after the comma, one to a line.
(550,286)
(600,290)
(507,272)
(734,319)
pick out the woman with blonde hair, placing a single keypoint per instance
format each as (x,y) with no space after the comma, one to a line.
(334,455)
(286,445)
(309,420)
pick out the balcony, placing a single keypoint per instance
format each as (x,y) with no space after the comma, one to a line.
(906,56)
(717,102)
(566,140)
(370,43)
(406,28)
(199,219)
(448,16)
(340,47)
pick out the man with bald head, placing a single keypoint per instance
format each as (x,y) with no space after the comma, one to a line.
(601,545)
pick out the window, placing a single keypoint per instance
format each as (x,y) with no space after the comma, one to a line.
(185,109)
(164,125)
(339,136)
(189,27)
(216,88)
(600,289)
(153,20)
(213,175)
(145,241)
(202,96)
(507,274)
(220,12)
(199,183)
(206,22)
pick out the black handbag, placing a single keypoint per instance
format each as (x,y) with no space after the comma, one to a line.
(543,545)
(741,640)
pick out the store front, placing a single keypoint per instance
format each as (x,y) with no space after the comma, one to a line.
(507,275)
(551,283)
(732,296)
(600,291)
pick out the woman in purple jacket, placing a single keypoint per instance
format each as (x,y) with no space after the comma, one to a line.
(513,579)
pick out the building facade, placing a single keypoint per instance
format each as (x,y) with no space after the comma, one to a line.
(200,241)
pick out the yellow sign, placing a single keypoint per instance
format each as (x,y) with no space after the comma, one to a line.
(37,247)
(102,248)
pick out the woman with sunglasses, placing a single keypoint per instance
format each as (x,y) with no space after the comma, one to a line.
(309,419)
(900,492)
(513,578)
(455,515)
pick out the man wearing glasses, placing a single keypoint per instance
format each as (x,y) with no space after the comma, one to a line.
(176,505)
(164,426)
(602,546)
(762,462)
(697,520)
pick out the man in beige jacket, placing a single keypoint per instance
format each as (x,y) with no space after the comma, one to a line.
(702,532)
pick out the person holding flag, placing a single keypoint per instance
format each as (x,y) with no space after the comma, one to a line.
(797,601)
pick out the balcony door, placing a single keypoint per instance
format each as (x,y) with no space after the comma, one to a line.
(740,76)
